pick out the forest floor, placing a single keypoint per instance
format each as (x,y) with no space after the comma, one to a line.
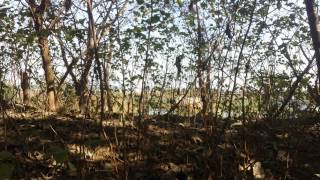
(50,146)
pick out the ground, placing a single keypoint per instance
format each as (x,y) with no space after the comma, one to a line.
(50,146)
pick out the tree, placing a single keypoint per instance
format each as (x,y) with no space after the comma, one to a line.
(38,17)
(313,20)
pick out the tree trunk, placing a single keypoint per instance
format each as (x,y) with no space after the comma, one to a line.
(106,73)
(238,63)
(141,103)
(95,49)
(200,72)
(82,90)
(315,32)
(43,43)
(25,85)
(160,111)
(48,70)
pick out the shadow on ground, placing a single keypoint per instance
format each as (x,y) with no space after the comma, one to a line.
(66,147)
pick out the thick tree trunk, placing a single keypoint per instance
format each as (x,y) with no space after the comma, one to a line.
(49,73)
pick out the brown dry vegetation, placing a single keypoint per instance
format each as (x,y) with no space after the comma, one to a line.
(162,148)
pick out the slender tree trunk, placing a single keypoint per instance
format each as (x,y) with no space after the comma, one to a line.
(292,90)
(239,60)
(25,86)
(48,70)
(163,88)
(106,77)
(314,31)
(141,105)
(296,83)
(220,81)
(37,12)
(201,69)
(67,65)
(95,50)
(82,89)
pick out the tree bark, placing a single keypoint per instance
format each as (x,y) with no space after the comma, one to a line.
(48,70)
(315,32)
(106,74)
(201,69)
(82,90)
(25,85)
(37,12)
(95,50)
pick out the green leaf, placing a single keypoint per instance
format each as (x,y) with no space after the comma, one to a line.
(141,49)
(155,19)
(6,170)
(191,19)
(140,2)
(126,45)
(133,78)
(263,11)
(180,3)
(136,13)
(158,46)
(204,5)
(30,39)
(3,12)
